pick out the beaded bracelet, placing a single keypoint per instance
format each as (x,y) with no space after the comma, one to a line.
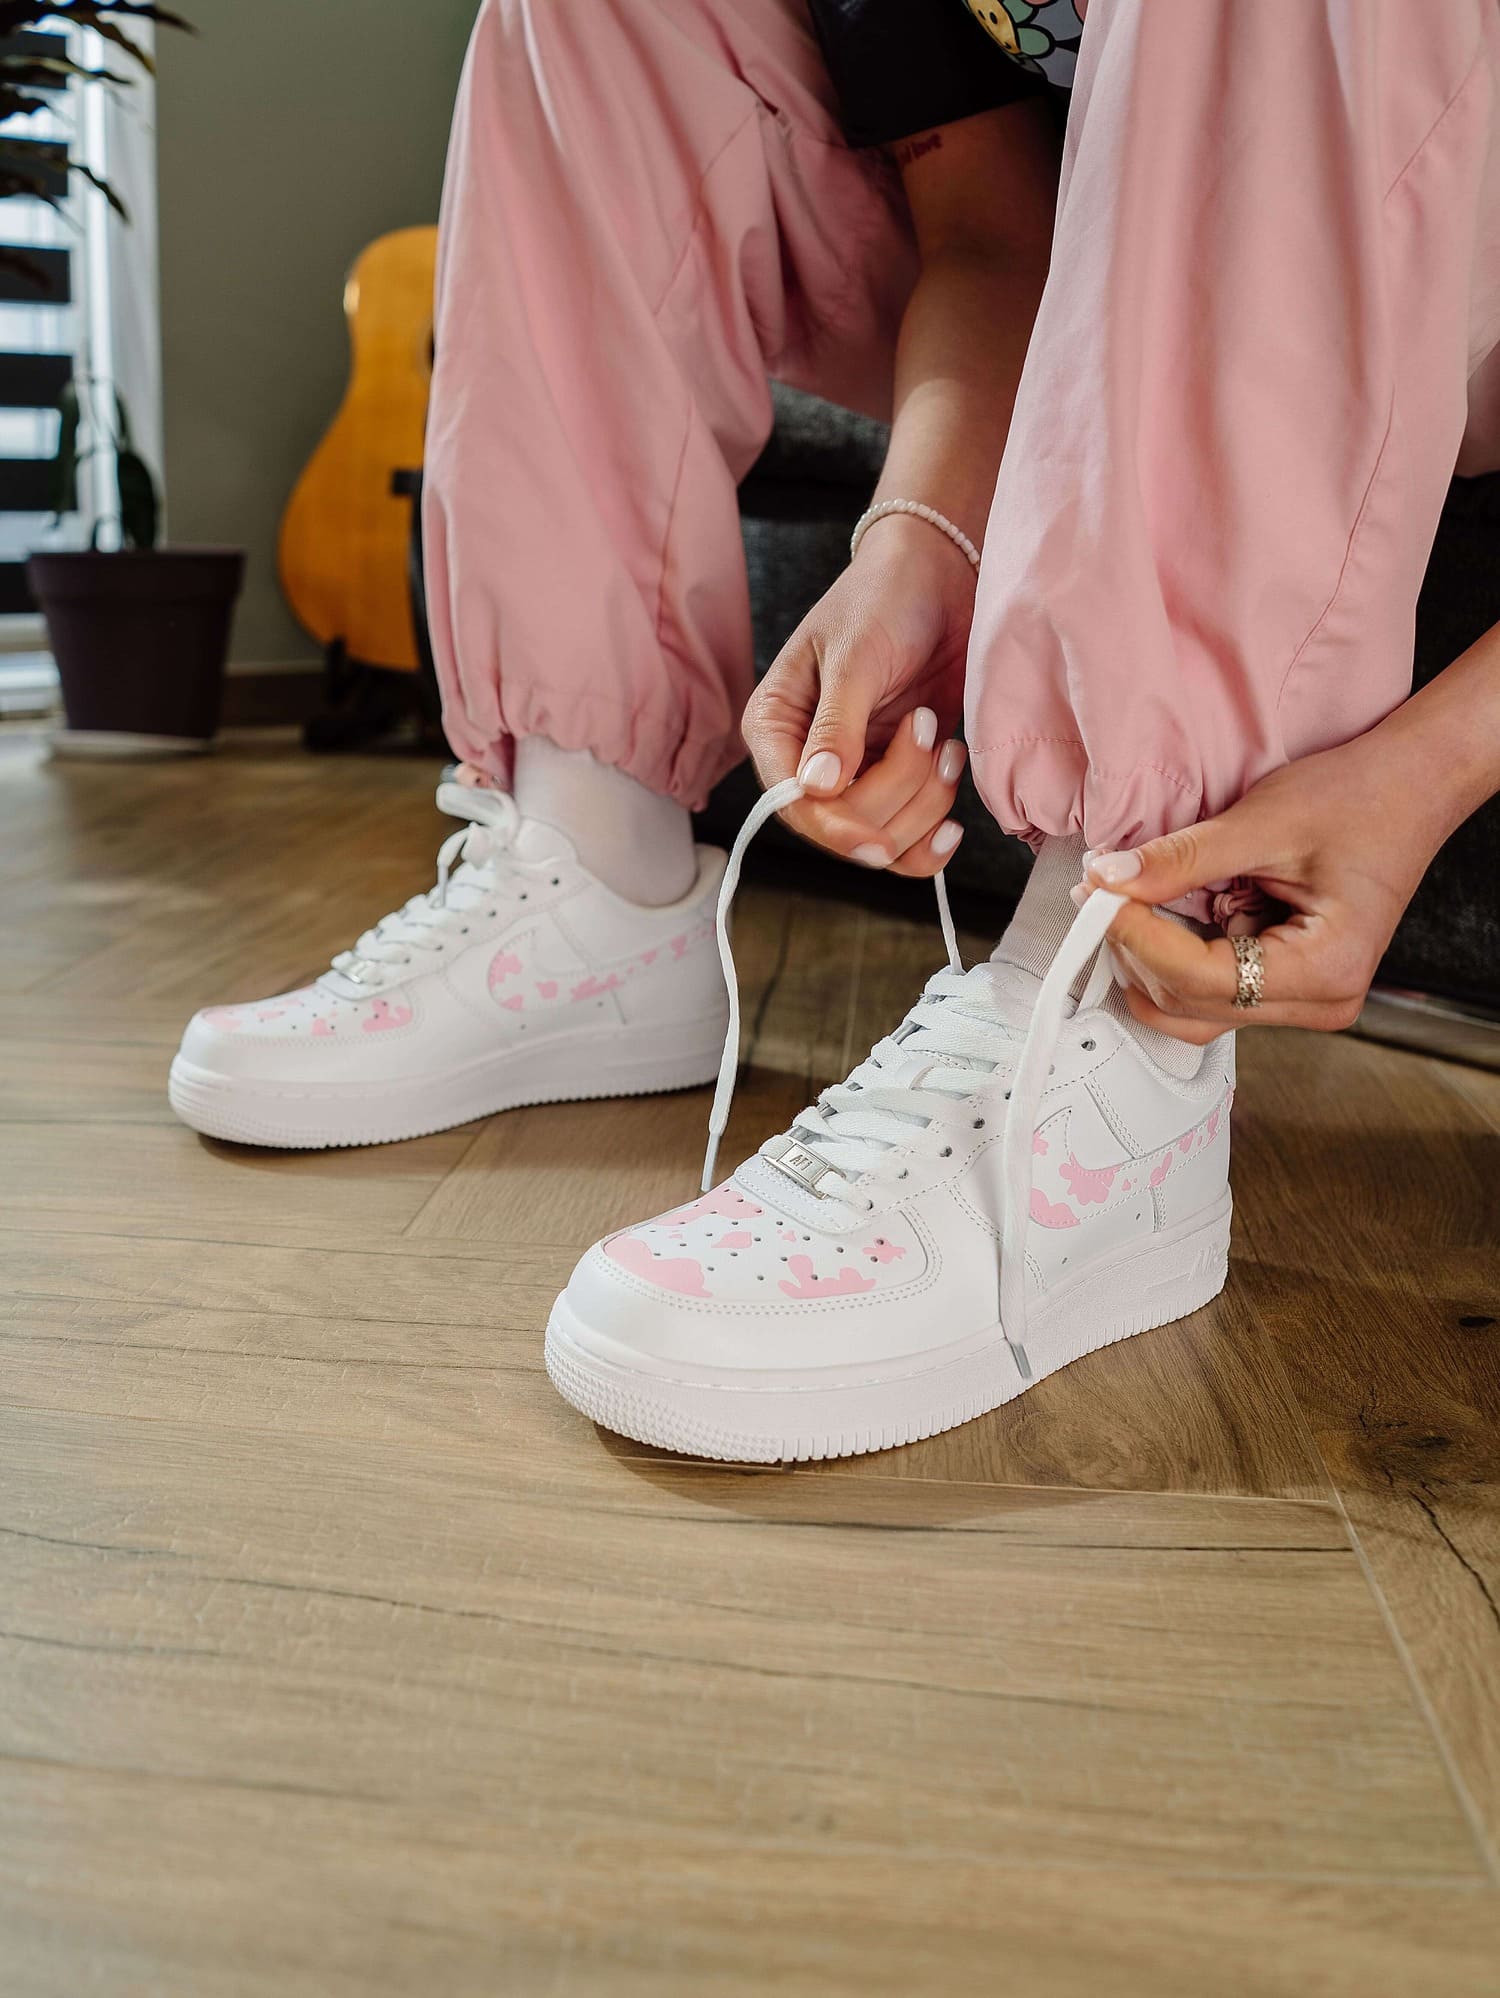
(928,513)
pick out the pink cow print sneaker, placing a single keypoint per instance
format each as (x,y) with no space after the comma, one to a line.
(1006,1182)
(519,978)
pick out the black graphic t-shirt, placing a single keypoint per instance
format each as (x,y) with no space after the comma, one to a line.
(903,66)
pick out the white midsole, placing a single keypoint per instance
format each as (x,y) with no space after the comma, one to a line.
(621,1060)
(837,1411)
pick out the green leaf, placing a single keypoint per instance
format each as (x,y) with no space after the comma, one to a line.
(140,512)
(121,40)
(36,72)
(104,188)
(65,459)
(122,423)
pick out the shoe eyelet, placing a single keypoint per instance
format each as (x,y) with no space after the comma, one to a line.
(556,881)
(946,1152)
(978,1123)
(1089,1046)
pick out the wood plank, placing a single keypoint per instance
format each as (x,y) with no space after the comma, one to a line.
(79,1175)
(132,1883)
(397,1280)
(473,1377)
(1382,1294)
(1049,1678)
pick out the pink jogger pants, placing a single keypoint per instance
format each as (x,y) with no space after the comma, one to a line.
(1276,274)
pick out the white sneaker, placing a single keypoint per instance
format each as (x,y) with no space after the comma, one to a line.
(846,1290)
(520,978)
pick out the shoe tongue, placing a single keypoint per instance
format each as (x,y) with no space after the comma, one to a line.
(532,839)
(1001,989)
(536,840)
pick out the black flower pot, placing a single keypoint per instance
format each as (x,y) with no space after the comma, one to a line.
(140,639)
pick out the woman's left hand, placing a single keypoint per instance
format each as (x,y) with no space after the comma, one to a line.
(1340,840)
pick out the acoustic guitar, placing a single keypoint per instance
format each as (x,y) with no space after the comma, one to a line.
(345,533)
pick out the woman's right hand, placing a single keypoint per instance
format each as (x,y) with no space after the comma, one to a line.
(863,699)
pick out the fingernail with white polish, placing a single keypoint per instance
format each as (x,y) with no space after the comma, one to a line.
(1079,895)
(951,761)
(820,772)
(871,856)
(1113,868)
(924,728)
(947,836)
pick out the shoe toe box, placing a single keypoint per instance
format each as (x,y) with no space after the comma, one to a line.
(259,1036)
(728,1284)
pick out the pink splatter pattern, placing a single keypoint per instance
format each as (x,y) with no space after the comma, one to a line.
(1090,1185)
(1051,1213)
(741,1252)
(724,1201)
(384,1015)
(676,1273)
(509,963)
(803,1282)
(595,988)
(296,1008)
(1072,1187)
(882,1251)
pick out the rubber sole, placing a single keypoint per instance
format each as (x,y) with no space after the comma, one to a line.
(577,1067)
(1166,1279)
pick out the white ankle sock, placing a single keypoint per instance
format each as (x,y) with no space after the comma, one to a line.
(1042,919)
(636,842)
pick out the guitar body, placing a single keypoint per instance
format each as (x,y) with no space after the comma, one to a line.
(345,534)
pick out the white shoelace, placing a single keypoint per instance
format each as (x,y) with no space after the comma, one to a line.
(879,1107)
(465,881)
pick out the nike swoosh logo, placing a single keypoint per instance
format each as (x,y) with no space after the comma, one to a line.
(520,979)
(1065,1192)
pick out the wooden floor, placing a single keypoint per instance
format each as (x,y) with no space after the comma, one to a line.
(338,1656)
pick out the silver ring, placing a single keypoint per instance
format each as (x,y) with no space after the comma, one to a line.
(1250,965)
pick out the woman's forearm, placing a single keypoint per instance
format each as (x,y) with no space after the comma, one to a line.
(958,362)
(1443,745)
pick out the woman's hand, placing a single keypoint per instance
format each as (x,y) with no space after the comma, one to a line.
(877,664)
(1340,839)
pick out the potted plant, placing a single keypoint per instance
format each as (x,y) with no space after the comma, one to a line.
(140,633)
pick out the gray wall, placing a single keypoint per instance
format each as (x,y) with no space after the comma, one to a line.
(289,132)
